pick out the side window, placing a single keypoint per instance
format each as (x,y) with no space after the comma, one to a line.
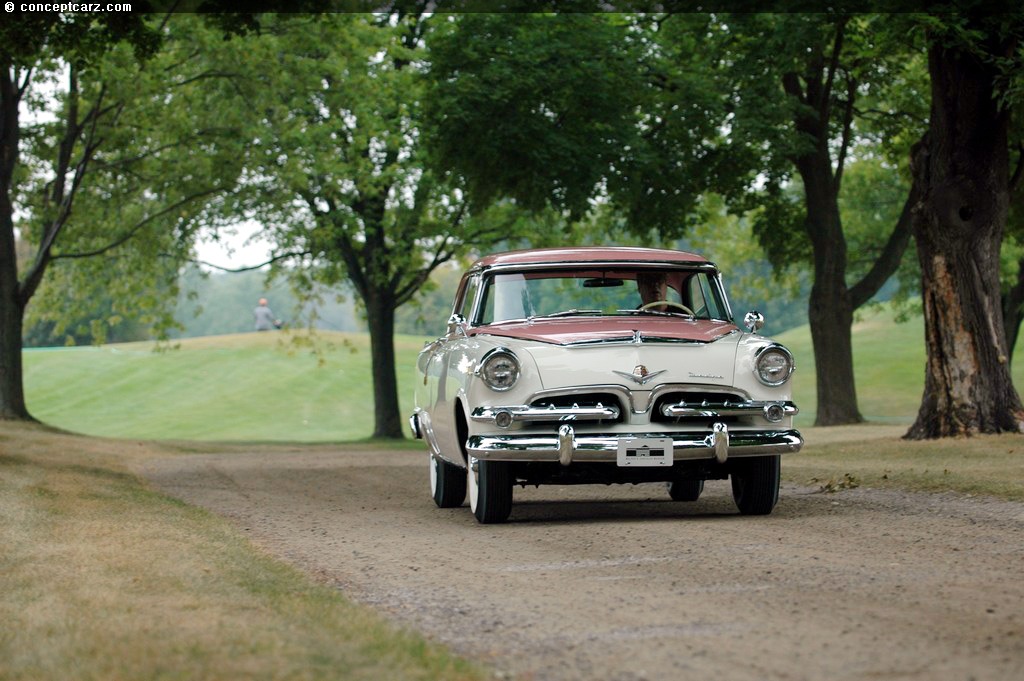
(465,305)
(698,301)
(702,296)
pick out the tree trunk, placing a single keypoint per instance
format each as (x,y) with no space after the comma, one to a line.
(12,393)
(380,317)
(831,318)
(830,310)
(962,170)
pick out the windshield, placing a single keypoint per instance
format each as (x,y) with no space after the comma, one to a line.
(689,294)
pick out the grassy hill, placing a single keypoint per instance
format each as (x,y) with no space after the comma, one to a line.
(251,386)
(268,387)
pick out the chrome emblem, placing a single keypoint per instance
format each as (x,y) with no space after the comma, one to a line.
(640,374)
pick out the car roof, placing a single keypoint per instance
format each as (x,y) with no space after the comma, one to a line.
(588,254)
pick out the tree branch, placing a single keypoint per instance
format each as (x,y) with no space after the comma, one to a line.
(26,81)
(874,114)
(791,84)
(271,261)
(442,254)
(889,260)
(844,146)
(137,227)
(227,75)
(1019,170)
(825,104)
(44,255)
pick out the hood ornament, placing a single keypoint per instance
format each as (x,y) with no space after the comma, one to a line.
(640,374)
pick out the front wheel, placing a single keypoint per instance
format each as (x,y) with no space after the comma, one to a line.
(447,483)
(490,490)
(755,484)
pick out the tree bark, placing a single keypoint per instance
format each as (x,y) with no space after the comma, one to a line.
(830,310)
(12,393)
(962,169)
(380,318)
(12,308)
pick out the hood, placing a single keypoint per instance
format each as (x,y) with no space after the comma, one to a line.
(596,330)
(579,352)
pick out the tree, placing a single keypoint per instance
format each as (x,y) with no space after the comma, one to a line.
(962,171)
(25,41)
(335,168)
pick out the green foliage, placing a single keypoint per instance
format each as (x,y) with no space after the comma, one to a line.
(531,106)
(162,150)
(873,196)
(77,37)
(334,164)
(560,110)
(752,283)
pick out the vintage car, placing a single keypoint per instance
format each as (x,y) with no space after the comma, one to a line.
(601,365)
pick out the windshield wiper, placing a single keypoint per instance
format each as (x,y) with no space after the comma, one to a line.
(660,313)
(568,313)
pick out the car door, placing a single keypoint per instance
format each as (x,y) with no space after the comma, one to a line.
(447,353)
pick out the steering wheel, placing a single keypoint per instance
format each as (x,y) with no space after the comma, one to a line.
(670,303)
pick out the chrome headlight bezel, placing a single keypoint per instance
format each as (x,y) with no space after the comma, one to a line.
(774,350)
(495,377)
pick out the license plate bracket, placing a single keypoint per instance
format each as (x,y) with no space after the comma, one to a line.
(645,451)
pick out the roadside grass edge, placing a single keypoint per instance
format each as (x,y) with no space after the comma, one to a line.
(105,578)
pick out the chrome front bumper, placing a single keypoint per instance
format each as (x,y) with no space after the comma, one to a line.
(566,447)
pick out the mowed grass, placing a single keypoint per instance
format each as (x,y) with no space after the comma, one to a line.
(271,387)
(105,579)
(253,387)
(876,456)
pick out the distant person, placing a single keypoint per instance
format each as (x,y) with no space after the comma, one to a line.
(264,316)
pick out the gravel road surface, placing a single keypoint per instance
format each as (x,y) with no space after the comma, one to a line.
(620,583)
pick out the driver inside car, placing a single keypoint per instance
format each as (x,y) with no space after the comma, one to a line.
(652,288)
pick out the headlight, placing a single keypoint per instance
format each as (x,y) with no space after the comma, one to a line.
(773,365)
(499,369)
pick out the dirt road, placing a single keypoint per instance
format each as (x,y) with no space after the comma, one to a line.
(621,583)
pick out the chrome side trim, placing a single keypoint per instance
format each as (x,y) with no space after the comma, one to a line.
(719,445)
(707,409)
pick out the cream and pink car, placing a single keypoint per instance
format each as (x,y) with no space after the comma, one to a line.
(601,365)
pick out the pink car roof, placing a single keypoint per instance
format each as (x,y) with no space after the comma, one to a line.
(586,254)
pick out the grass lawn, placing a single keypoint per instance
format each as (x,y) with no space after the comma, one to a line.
(253,386)
(104,579)
(273,387)
(874,455)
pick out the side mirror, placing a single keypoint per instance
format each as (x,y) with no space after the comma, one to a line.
(457,323)
(753,320)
